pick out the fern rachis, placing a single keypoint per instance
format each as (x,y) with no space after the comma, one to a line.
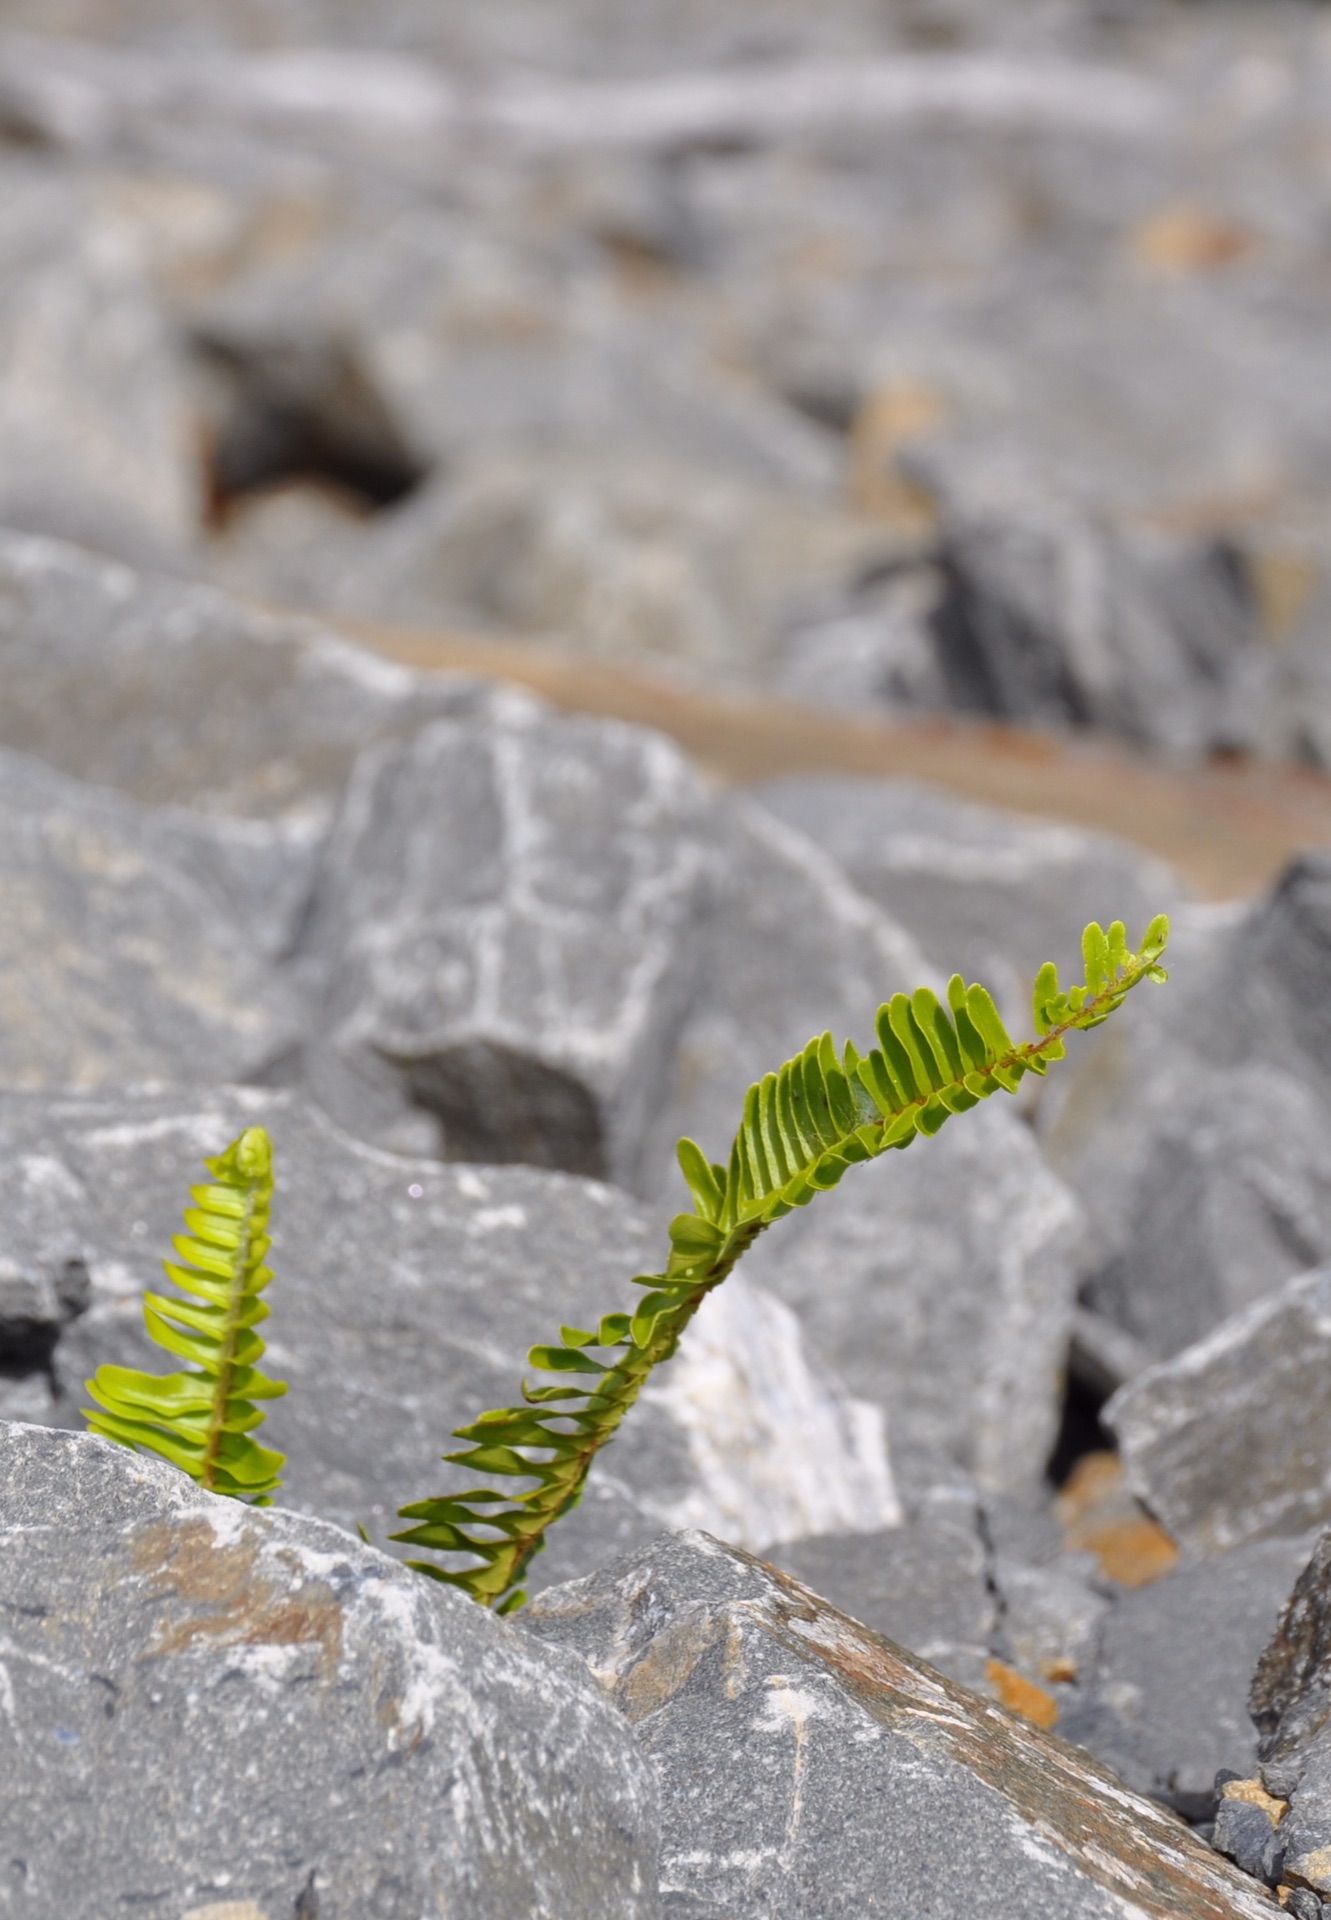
(803,1128)
(202,1419)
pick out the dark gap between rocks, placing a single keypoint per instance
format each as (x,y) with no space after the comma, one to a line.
(298,410)
(1080,1430)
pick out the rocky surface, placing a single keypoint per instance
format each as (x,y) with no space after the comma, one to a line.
(779,1728)
(230,1711)
(175,692)
(506,917)
(1199,1139)
(1225,1441)
(120,962)
(989,895)
(408,1295)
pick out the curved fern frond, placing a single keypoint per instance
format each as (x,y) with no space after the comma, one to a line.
(804,1126)
(202,1418)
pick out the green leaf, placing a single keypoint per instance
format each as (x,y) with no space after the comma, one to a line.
(202,1419)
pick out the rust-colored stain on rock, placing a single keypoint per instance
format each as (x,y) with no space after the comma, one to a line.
(224,1599)
(1102,1517)
(1021,1696)
(1124,1843)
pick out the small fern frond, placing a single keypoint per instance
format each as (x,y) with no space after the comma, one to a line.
(804,1126)
(202,1419)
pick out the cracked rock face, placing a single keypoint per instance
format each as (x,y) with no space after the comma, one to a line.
(786,1737)
(203,1704)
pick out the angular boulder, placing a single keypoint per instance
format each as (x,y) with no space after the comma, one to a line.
(810,1767)
(987,894)
(213,1709)
(506,918)
(406,1297)
(96,441)
(1231,1439)
(1290,1703)
(1049,615)
(175,692)
(121,957)
(941,1282)
(1197,1134)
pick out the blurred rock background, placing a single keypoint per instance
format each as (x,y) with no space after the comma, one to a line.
(909,388)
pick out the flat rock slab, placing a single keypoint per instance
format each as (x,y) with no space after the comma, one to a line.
(1230,1440)
(171,691)
(406,1297)
(809,1767)
(208,1707)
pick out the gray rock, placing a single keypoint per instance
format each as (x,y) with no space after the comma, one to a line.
(406,1298)
(808,1762)
(923,1584)
(1048,617)
(987,894)
(1229,1440)
(1304,1835)
(44,1279)
(1165,1702)
(507,917)
(788,949)
(95,438)
(940,1283)
(120,963)
(218,1710)
(1290,1703)
(1290,1698)
(176,693)
(1246,1834)
(872,646)
(1197,1140)
(632,556)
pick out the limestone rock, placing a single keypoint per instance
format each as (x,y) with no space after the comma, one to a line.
(1164,1701)
(1196,1132)
(806,1761)
(923,1584)
(119,961)
(940,1283)
(95,442)
(209,1708)
(173,692)
(406,1298)
(1230,1440)
(506,917)
(1049,617)
(987,894)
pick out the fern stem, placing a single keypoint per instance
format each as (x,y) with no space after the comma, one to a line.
(226,1359)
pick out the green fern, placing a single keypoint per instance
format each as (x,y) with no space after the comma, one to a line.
(202,1419)
(803,1128)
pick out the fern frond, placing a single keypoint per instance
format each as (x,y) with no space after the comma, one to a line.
(201,1419)
(803,1128)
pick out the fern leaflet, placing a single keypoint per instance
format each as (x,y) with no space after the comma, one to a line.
(202,1419)
(804,1127)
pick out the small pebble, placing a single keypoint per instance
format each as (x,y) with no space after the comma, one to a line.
(1245,1834)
